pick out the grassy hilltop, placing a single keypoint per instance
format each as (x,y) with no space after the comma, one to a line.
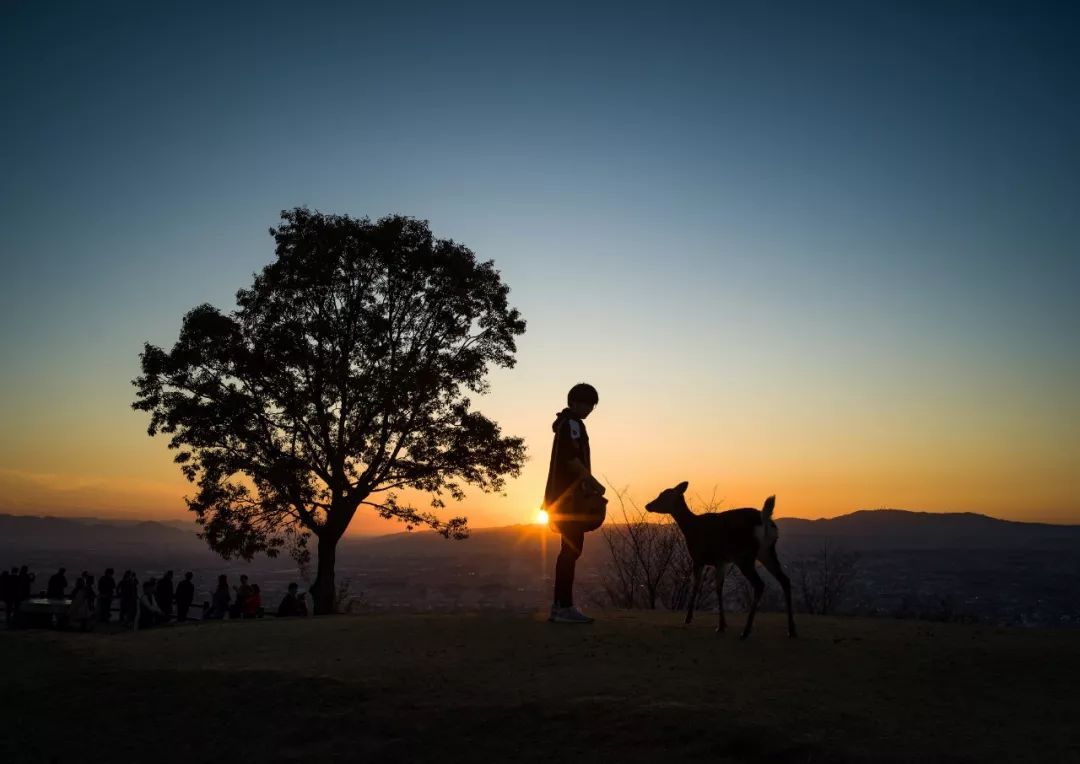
(489,687)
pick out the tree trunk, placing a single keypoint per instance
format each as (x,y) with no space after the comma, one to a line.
(324,590)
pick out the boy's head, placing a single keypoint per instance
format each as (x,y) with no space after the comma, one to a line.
(582,399)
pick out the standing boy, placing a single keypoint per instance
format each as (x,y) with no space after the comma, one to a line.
(570,471)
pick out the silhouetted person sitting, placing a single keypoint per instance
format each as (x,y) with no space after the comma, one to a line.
(165,594)
(185,593)
(243,591)
(106,589)
(57,585)
(149,612)
(219,607)
(253,603)
(291,604)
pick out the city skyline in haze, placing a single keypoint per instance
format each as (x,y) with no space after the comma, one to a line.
(825,252)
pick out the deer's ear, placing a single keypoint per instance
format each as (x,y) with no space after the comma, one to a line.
(681,487)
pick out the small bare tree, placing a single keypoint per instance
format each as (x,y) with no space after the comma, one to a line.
(642,553)
(824,579)
(649,565)
(680,576)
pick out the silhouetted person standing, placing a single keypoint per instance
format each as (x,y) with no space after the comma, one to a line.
(570,471)
(185,593)
(91,595)
(149,612)
(220,605)
(57,585)
(165,594)
(81,608)
(243,591)
(128,590)
(26,584)
(9,586)
(106,589)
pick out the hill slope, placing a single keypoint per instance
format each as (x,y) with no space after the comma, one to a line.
(632,687)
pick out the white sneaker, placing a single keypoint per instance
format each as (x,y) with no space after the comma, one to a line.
(568,615)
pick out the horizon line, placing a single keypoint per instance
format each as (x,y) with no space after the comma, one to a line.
(166,521)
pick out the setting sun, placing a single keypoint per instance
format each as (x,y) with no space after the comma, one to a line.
(541,517)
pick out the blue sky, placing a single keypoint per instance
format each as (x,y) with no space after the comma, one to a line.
(852,226)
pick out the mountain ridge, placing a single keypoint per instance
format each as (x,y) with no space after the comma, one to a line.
(866,528)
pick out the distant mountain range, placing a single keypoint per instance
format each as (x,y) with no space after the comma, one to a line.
(878,529)
(903,529)
(80,532)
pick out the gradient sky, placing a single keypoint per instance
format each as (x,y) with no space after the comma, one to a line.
(822,250)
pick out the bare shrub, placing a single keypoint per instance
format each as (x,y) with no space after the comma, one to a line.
(648,565)
(823,581)
(641,553)
(345,602)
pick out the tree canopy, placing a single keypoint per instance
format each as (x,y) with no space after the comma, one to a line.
(343,376)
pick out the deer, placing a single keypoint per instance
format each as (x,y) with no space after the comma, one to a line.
(740,536)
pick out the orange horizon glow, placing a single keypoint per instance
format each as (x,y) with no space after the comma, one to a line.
(823,451)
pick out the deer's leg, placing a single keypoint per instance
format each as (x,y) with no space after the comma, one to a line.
(748,570)
(772,564)
(695,590)
(721,570)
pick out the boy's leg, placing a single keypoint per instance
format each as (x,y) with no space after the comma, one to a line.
(569,552)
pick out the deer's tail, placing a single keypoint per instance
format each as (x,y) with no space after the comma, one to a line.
(766,511)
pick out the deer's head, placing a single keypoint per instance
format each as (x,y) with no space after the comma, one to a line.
(670,501)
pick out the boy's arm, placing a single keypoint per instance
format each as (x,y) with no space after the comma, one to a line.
(591,483)
(570,457)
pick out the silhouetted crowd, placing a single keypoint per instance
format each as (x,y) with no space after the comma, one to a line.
(155,602)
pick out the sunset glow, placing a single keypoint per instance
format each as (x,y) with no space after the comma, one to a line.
(541,517)
(827,281)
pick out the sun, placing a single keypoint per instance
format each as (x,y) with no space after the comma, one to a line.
(541,517)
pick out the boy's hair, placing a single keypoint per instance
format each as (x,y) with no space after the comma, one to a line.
(583,393)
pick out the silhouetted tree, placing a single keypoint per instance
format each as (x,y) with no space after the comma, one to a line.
(342,377)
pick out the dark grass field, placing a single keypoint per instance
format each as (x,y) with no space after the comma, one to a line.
(487,687)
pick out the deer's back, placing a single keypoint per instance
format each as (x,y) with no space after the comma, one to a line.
(722,537)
